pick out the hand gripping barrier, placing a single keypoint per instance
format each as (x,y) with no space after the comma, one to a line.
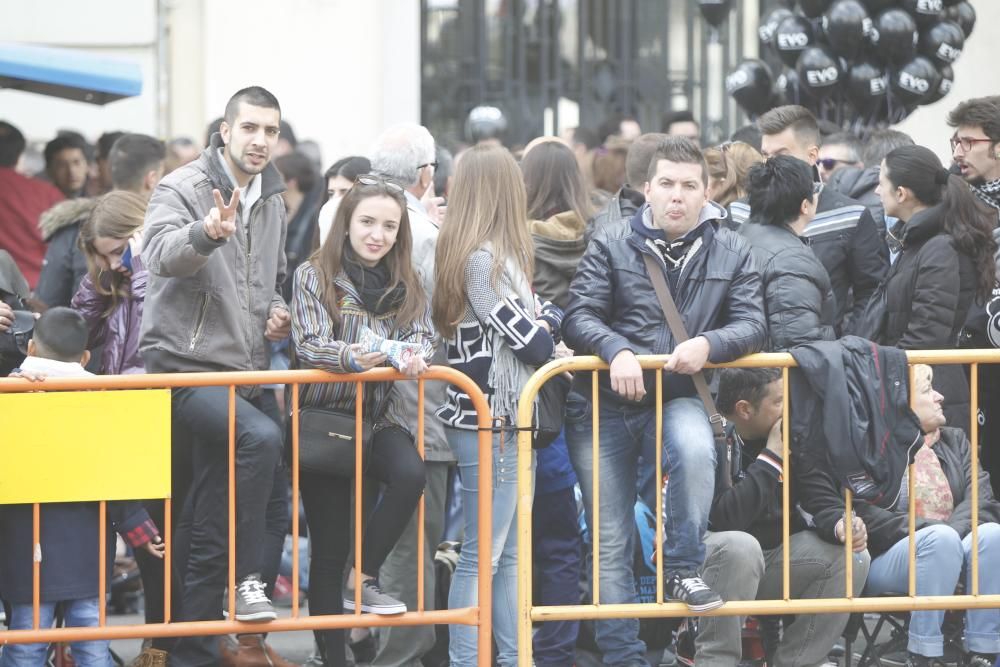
(35,490)
(528,613)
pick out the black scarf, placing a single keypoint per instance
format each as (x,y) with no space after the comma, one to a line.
(372,284)
(989,193)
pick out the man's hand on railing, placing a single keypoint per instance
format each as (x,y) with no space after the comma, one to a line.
(859,533)
(689,357)
(626,376)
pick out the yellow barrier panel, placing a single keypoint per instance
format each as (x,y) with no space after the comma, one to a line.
(82,446)
(527,613)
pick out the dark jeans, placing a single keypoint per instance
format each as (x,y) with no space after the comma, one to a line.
(557,559)
(201,535)
(395,463)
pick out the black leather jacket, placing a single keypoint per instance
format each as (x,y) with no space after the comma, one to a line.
(612,305)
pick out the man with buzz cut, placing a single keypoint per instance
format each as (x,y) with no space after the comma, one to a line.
(843,233)
(214,247)
(614,312)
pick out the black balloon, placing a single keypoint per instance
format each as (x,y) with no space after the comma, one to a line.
(897,34)
(750,84)
(926,12)
(866,85)
(944,85)
(915,82)
(770,24)
(819,72)
(792,36)
(942,42)
(715,11)
(845,27)
(964,15)
(813,8)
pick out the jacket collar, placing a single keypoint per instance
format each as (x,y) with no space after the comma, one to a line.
(922,226)
(271,182)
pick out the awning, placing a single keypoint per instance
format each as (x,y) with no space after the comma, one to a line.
(68,73)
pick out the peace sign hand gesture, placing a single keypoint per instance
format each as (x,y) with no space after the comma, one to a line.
(220,223)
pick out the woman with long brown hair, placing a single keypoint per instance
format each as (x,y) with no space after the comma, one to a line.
(497,333)
(361,277)
(111,295)
(945,263)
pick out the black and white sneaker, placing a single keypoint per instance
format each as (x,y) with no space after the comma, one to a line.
(252,603)
(689,588)
(373,600)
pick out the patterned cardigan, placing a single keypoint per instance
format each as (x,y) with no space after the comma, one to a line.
(318,344)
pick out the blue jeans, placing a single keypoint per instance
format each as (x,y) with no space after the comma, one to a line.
(942,557)
(626,433)
(463,648)
(76,614)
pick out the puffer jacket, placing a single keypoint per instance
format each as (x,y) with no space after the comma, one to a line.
(559,245)
(64,265)
(117,331)
(928,293)
(612,305)
(886,527)
(208,300)
(798,298)
(848,244)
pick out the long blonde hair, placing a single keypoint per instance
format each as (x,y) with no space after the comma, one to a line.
(488,205)
(118,215)
(728,166)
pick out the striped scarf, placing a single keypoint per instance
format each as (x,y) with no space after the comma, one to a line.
(989,193)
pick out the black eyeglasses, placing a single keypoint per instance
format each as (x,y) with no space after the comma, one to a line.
(427,164)
(375,179)
(966,142)
(829,163)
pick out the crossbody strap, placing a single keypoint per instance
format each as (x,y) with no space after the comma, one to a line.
(676,325)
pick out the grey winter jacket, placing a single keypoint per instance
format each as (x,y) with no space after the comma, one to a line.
(612,305)
(559,245)
(617,212)
(208,301)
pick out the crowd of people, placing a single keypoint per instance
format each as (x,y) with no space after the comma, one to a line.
(243,256)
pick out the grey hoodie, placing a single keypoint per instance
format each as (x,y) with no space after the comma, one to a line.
(208,301)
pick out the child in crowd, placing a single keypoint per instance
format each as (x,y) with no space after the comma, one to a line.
(69,531)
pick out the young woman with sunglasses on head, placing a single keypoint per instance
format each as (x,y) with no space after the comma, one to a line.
(362,276)
(945,263)
(497,332)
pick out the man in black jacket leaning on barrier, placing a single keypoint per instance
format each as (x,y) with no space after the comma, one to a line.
(613,312)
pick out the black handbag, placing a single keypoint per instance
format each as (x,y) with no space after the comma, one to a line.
(870,323)
(327,441)
(550,411)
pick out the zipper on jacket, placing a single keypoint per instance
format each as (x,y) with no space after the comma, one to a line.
(200,324)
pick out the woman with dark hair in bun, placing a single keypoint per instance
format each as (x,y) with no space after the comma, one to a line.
(945,263)
(798,297)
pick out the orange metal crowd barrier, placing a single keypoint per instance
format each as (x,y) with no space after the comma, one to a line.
(528,613)
(480,616)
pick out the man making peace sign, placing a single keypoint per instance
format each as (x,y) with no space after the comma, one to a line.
(214,247)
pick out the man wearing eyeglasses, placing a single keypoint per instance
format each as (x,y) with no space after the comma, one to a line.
(975,146)
(975,149)
(838,151)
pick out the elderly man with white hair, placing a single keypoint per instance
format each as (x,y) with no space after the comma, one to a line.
(405,154)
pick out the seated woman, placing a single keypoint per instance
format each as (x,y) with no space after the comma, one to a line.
(361,277)
(943,497)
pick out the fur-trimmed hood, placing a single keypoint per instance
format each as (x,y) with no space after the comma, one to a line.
(65,213)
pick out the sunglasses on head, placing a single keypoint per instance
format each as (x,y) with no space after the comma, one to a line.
(375,179)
